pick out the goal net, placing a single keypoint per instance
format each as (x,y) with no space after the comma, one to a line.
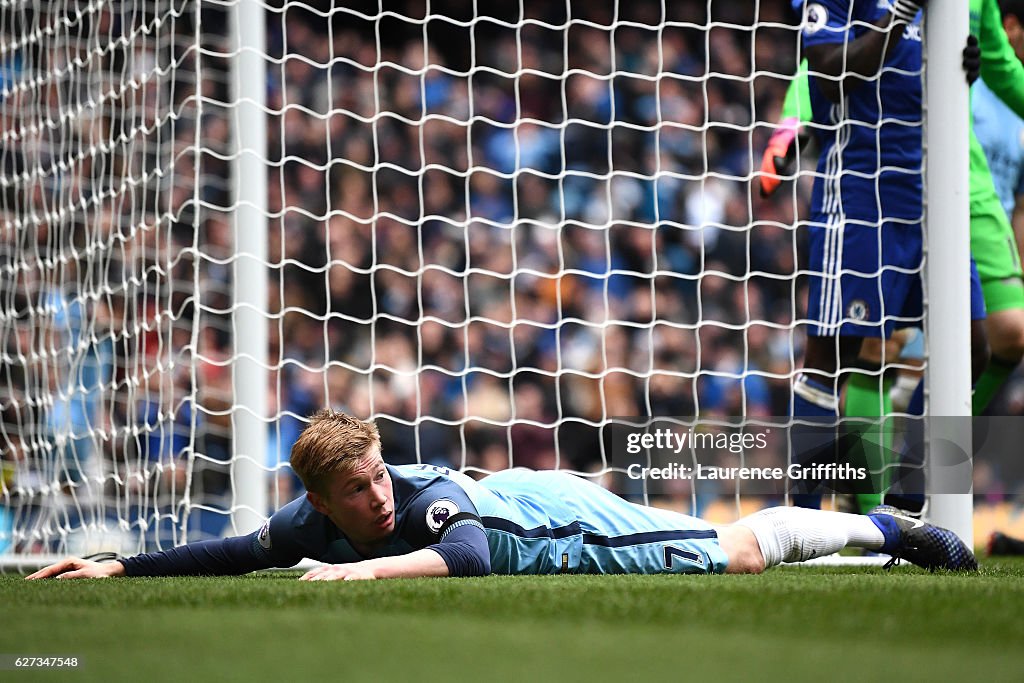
(493,227)
(100,267)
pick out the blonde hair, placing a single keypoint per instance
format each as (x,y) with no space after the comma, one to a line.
(332,442)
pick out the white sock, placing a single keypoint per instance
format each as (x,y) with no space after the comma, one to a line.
(789,534)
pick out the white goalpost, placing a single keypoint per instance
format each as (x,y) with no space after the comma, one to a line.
(250,368)
(498,229)
(948,254)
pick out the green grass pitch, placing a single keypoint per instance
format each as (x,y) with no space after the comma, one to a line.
(790,623)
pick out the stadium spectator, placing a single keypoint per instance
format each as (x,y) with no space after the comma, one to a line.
(369,520)
(594,117)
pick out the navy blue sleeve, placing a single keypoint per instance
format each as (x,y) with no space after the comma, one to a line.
(227,556)
(289,535)
(463,547)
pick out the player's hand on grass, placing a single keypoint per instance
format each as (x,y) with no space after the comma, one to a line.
(779,156)
(357,571)
(76,568)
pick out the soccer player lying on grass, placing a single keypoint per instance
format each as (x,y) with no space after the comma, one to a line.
(369,520)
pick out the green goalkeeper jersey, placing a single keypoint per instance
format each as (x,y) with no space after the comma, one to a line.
(798,99)
(1004,75)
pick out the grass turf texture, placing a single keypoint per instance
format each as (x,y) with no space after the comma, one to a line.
(790,623)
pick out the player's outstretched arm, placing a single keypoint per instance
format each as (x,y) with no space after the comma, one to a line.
(1002,72)
(221,557)
(77,568)
(462,551)
(419,563)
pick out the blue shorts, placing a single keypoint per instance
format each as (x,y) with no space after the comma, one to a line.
(977,294)
(867,281)
(601,533)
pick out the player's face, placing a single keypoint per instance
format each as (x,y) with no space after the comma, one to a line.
(361,502)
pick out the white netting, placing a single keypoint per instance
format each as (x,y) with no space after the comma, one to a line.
(96,270)
(504,225)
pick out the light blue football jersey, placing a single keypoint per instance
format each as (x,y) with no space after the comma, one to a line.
(1001,134)
(557,522)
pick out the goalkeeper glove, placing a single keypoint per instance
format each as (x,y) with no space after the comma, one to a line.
(972,59)
(780,156)
(905,10)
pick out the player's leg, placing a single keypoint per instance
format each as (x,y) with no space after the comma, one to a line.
(816,406)
(867,396)
(742,549)
(786,534)
(911,370)
(849,301)
(907,490)
(1005,331)
(998,262)
(816,387)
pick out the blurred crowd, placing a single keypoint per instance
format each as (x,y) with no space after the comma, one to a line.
(492,235)
(500,237)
